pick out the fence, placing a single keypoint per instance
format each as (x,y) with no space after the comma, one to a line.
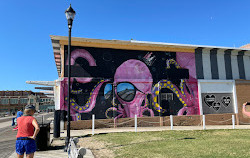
(170,121)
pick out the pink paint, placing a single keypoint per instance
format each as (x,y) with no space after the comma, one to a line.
(187,61)
(78,53)
(83,54)
(244,112)
(64,90)
(137,73)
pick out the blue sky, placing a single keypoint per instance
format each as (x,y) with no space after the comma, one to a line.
(26,50)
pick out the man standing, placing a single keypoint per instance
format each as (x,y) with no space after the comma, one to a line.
(19,114)
(26,135)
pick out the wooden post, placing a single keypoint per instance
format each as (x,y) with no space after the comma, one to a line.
(115,123)
(161,121)
(237,119)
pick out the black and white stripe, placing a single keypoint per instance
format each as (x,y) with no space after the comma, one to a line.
(214,63)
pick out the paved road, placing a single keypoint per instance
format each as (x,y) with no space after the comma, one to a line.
(7,141)
(8,136)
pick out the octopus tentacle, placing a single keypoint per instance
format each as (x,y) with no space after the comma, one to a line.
(108,110)
(91,101)
(172,62)
(167,84)
(181,91)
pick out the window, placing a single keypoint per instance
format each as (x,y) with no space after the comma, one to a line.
(23,101)
(4,101)
(167,96)
(13,101)
(31,100)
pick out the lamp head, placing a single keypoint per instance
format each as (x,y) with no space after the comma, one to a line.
(70,14)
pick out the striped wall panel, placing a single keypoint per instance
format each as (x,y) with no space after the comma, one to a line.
(222,64)
(246,60)
(206,64)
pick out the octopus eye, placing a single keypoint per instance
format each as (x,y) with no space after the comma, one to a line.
(108,91)
(126,91)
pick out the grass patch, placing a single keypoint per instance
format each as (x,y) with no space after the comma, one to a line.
(198,143)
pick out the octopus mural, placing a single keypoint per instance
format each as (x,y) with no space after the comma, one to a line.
(245,110)
(184,93)
(134,85)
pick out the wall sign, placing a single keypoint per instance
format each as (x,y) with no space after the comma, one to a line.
(217,103)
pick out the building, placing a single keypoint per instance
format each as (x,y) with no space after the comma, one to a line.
(120,79)
(12,101)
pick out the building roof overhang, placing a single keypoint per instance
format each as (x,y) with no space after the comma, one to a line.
(58,43)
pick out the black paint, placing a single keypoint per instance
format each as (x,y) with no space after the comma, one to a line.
(241,64)
(228,65)
(199,63)
(214,64)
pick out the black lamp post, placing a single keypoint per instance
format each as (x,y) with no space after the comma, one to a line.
(70,14)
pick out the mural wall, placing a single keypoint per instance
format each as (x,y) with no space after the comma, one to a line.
(112,83)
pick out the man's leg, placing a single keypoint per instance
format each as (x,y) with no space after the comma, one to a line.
(20,148)
(20,156)
(30,148)
(30,155)
(13,121)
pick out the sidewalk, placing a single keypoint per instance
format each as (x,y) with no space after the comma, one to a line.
(5,124)
(76,133)
(6,117)
(56,151)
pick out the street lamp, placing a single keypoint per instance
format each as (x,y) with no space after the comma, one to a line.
(70,14)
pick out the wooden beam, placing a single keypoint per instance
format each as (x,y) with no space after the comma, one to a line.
(130,46)
(62,61)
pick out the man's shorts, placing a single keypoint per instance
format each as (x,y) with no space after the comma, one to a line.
(25,145)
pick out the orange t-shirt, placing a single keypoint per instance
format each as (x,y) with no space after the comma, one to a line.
(25,127)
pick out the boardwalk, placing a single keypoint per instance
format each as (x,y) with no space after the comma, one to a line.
(8,136)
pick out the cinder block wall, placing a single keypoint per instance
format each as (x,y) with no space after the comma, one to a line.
(243,95)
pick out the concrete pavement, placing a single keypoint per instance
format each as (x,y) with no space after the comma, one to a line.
(56,151)
(76,133)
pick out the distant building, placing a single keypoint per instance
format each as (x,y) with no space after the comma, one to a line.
(12,101)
